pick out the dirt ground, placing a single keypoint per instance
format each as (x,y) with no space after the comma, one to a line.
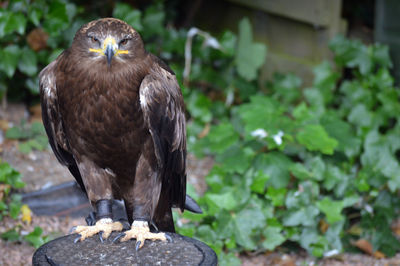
(40,169)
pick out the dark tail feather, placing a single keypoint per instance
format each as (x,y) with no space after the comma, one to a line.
(191,205)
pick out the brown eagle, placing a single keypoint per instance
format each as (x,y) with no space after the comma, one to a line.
(114,115)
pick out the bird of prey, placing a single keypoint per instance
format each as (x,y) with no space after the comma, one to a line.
(114,115)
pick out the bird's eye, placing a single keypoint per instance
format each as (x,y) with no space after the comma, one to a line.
(93,39)
(123,42)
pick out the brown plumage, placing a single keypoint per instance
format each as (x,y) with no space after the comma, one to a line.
(114,115)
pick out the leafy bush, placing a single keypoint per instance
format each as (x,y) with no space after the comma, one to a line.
(11,205)
(315,166)
(32,34)
(30,136)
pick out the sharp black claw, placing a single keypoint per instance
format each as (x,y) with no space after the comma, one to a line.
(71,230)
(118,237)
(101,237)
(168,237)
(77,239)
(138,245)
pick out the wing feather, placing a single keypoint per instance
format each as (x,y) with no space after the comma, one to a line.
(163,110)
(52,120)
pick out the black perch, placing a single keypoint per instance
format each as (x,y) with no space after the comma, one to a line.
(181,251)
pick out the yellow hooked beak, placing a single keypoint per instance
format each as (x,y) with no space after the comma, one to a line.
(110,48)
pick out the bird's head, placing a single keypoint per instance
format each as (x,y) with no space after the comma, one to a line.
(108,39)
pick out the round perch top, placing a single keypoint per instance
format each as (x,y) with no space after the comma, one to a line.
(181,251)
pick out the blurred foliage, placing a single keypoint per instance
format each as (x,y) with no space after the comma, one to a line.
(11,206)
(317,167)
(30,136)
(32,34)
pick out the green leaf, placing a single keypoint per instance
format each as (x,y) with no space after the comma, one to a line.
(199,106)
(153,20)
(343,133)
(15,206)
(35,14)
(315,138)
(250,56)
(25,147)
(263,113)
(381,55)
(11,235)
(360,116)
(222,136)
(125,12)
(273,238)
(57,18)
(15,133)
(276,195)
(35,237)
(16,22)
(379,157)
(228,259)
(228,43)
(300,171)
(325,80)
(276,165)
(226,200)
(259,182)
(236,159)
(332,209)
(304,216)
(9,59)
(28,62)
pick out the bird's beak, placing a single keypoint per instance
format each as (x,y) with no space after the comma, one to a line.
(109,52)
(110,48)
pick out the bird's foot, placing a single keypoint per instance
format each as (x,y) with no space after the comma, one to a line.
(140,231)
(104,227)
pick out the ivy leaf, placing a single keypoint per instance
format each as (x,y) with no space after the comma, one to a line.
(276,195)
(11,235)
(276,165)
(360,116)
(57,18)
(153,20)
(28,62)
(9,59)
(226,200)
(228,43)
(250,56)
(236,159)
(125,12)
(35,237)
(259,182)
(265,113)
(304,216)
(315,138)
(246,221)
(35,14)
(332,209)
(273,238)
(16,22)
(15,206)
(343,133)
(222,136)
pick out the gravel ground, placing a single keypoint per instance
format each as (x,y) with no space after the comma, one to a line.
(40,169)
